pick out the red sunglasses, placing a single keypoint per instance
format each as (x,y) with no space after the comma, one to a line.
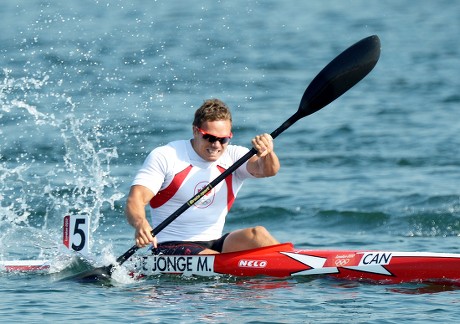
(212,138)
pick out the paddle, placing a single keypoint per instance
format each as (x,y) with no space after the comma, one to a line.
(335,79)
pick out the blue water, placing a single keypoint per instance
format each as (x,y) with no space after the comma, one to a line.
(89,87)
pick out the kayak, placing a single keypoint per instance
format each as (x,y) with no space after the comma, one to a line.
(283,260)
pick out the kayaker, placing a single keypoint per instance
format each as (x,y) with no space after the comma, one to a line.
(174,173)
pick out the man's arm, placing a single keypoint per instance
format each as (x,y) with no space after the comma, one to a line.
(138,198)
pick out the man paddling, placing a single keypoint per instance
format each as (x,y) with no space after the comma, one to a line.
(171,174)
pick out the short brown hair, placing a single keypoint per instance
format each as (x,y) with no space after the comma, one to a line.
(212,110)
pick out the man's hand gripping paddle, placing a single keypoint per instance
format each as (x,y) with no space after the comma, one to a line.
(341,74)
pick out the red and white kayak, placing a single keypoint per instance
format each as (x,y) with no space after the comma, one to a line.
(283,260)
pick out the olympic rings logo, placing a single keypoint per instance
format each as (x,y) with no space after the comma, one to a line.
(341,262)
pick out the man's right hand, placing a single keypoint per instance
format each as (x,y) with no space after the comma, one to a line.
(144,236)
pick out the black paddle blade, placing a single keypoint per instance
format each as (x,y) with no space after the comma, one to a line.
(102,273)
(342,73)
(92,276)
(336,78)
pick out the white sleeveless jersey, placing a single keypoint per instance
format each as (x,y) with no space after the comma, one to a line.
(175,173)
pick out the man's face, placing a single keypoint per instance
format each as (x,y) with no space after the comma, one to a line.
(211,129)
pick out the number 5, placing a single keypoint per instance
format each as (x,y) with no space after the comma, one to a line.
(76,233)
